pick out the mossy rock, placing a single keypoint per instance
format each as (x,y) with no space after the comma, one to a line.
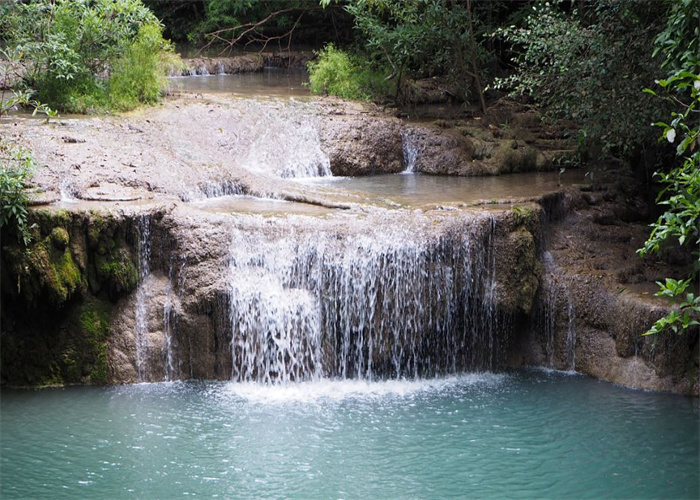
(512,158)
(75,268)
(60,238)
(91,320)
(42,271)
(116,272)
(67,348)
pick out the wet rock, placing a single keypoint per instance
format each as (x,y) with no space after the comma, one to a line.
(362,145)
(441,152)
(518,268)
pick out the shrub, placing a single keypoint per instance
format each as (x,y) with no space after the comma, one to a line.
(137,76)
(73,48)
(16,166)
(350,77)
(679,44)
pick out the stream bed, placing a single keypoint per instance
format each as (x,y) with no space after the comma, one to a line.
(520,434)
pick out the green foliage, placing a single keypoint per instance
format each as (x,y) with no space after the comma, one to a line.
(678,320)
(420,37)
(72,49)
(220,14)
(679,43)
(588,65)
(16,166)
(10,71)
(350,77)
(137,77)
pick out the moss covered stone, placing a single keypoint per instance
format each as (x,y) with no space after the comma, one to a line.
(117,271)
(58,295)
(94,325)
(60,238)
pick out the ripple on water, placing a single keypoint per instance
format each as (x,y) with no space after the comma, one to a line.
(523,434)
(340,390)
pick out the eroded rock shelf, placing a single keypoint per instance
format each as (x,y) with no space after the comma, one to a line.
(187,241)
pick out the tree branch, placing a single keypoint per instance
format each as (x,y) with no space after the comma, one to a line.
(251,32)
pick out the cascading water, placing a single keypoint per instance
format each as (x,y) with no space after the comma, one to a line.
(410,151)
(67,191)
(141,327)
(170,372)
(389,301)
(555,302)
(283,143)
(571,333)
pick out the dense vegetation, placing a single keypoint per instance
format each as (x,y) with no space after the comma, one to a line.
(16,166)
(589,65)
(254,22)
(87,55)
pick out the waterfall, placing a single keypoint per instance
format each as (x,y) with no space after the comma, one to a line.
(557,317)
(391,301)
(141,317)
(67,191)
(571,333)
(410,151)
(282,143)
(170,372)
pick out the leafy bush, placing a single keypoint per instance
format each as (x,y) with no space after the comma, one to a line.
(350,77)
(73,48)
(679,43)
(137,76)
(16,166)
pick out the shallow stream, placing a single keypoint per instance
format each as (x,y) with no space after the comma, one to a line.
(271,82)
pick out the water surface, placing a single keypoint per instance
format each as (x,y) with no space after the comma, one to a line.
(415,189)
(526,434)
(271,82)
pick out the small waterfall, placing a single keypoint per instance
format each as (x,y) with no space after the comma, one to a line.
(68,192)
(220,69)
(141,316)
(170,372)
(571,333)
(410,151)
(548,312)
(391,302)
(557,315)
(283,143)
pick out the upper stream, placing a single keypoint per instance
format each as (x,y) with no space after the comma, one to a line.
(271,82)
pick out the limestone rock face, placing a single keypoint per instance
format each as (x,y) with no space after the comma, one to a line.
(441,152)
(139,276)
(220,65)
(518,271)
(362,145)
(594,303)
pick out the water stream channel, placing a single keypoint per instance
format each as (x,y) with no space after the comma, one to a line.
(362,356)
